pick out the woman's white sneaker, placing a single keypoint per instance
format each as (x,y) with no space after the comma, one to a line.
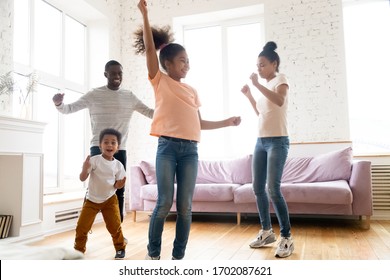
(263,238)
(149,258)
(285,247)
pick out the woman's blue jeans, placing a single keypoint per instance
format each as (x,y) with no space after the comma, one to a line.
(178,158)
(268,162)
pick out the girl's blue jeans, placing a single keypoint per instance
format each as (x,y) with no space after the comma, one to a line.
(178,160)
(269,158)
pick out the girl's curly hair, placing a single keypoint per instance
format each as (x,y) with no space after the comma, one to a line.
(161,37)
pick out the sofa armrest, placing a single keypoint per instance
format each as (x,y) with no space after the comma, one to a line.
(361,187)
(137,180)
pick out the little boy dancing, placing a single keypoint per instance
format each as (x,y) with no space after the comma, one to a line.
(106,175)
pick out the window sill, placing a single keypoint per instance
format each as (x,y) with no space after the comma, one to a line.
(63,197)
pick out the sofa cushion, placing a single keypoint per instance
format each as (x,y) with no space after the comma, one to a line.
(203,192)
(336,165)
(244,194)
(149,169)
(225,171)
(218,171)
(332,192)
(214,192)
(149,192)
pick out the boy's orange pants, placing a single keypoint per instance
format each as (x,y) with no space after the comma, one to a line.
(111,216)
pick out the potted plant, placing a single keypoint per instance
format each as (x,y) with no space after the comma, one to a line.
(9,86)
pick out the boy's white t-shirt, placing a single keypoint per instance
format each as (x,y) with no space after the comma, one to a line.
(273,118)
(102,176)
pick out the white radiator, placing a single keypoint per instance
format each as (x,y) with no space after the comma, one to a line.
(67,215)
(381,187)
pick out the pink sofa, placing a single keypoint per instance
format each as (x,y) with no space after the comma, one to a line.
(328,184)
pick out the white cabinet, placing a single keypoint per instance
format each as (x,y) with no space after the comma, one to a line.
(21,176)
(21,192)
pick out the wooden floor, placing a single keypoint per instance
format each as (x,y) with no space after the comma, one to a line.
(215,237)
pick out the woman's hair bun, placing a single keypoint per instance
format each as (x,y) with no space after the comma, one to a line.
(270,46)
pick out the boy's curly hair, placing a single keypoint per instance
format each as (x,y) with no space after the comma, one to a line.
(110,131)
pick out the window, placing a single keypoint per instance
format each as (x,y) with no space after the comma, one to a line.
(366,25)
(47,53)
(221,60)
(74,50)
(53,44)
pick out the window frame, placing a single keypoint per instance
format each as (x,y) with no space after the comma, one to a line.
(61,84)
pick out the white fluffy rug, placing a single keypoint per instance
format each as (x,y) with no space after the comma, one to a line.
(25,252)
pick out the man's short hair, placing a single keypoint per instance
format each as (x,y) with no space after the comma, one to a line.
(110,63)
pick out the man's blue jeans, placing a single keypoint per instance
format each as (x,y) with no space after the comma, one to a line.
(180,158)
(268,162)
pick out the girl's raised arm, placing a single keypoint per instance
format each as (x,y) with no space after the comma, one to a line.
(150,49)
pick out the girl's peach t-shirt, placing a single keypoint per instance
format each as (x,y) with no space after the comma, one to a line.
(176,109)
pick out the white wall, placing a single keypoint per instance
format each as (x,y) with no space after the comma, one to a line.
(310,34)
(6,18)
